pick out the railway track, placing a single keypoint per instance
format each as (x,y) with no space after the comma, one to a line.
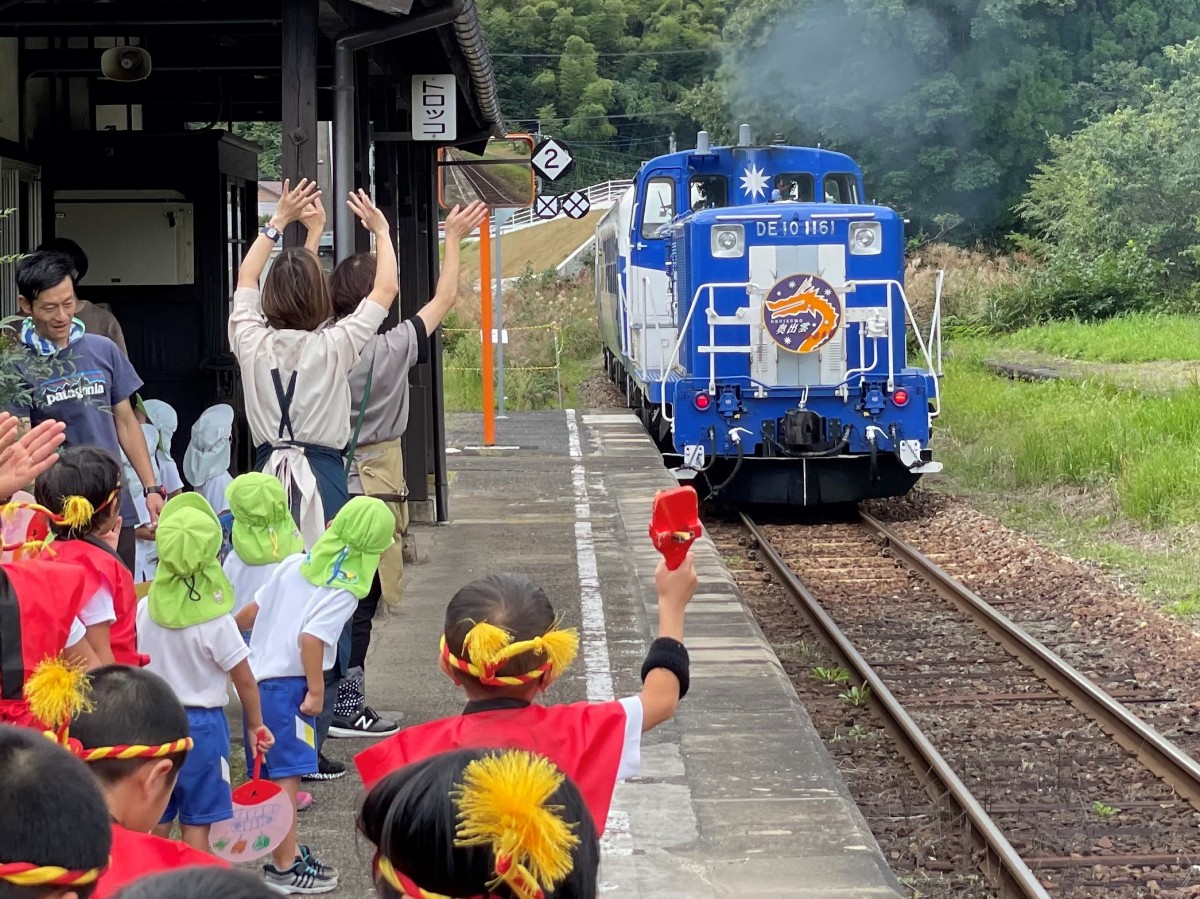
(1067,793)
(472,181)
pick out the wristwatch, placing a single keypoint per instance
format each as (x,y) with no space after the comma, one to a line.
(155,488)
(270,232)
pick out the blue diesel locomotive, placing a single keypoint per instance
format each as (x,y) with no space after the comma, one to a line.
(752,308)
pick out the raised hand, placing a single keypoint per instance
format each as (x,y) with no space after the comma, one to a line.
(294,202)
(21,461)
(368,213)
(313,216)
(462,222)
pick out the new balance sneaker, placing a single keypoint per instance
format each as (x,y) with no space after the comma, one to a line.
(327,769)
(366,723)
(304,801)
(316,864)
(301,877)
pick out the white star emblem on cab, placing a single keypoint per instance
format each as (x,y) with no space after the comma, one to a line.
(754,182)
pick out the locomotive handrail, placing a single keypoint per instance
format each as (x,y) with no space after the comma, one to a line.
(935,333)
(687,321)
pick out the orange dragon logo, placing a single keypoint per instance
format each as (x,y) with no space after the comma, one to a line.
(802,313)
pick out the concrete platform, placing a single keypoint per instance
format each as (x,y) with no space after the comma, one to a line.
(738,796)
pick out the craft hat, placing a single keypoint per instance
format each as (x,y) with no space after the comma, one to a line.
(165,420)
(346,556)
(212,439)
(189,586)
(263,528)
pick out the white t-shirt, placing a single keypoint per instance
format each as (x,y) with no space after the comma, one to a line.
(171,480)
(246,579)
(288,606)
(99,609)
(78,632)
(631,749)
(213,490)
(195,660)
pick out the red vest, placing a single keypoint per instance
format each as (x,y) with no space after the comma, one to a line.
(38,602)
(105,569)
(584,739)
(138,855)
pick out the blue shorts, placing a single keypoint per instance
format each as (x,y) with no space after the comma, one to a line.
(202,794)
(295,749)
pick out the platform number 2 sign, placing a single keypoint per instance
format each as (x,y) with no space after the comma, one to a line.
(552,160)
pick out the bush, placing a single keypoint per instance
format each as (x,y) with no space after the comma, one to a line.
(1116,208)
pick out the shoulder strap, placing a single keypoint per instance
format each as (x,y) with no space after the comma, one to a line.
(362,412)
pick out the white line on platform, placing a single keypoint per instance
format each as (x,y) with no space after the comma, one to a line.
(597,667)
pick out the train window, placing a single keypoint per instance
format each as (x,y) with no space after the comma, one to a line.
(708,192)
(659,206)
(841,188)
(797,186)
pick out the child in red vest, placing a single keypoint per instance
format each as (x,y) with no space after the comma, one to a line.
(199,883)
(55,836)
(39,608)
(502,646)
(479,822)
(134,737)
(81,496)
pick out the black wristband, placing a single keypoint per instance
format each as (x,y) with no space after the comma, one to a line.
(668,653)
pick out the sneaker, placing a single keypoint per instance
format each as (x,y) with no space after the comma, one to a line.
(366,724)
(313,862)
(299,878)
(327,769)
(304,801)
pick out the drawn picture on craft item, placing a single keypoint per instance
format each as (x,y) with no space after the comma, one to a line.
(262,817)
(802,313)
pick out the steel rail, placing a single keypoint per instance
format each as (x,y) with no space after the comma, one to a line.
(1006,869)
(1178,769)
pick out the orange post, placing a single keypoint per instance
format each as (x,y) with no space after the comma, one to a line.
(485,326)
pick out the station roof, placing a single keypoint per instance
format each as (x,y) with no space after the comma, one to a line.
(221,60)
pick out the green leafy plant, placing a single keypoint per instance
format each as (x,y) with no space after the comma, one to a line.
(1104,811)
(831,675)
(857,734)
(857,696)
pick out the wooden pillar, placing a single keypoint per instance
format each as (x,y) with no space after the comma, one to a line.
(299,121)
(417,218)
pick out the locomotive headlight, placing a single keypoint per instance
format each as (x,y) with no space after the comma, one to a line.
(728,241)
(866,238)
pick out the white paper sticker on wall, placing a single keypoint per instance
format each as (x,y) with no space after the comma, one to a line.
(434,107)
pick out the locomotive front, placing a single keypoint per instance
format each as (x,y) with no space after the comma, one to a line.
(790,373)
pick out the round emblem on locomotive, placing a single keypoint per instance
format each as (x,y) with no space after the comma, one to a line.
(802,313)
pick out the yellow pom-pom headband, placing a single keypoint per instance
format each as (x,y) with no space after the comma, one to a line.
(77,513)
(23,874)
(486,648)
(57,691)
(503,803)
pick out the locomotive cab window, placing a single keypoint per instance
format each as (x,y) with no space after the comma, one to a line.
(796,186)
(658,208)
(841,188)
(708,192)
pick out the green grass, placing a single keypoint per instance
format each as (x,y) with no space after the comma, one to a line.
(1128,339)
(538,309)
(1104,473)
(1023,436)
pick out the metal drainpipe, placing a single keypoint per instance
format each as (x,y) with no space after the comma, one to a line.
(343,107)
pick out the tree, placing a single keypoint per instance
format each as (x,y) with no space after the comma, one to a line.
(268,136)
(948,105)
(1117,204)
